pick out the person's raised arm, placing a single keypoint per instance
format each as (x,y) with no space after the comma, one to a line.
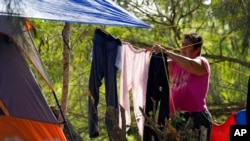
(194,66)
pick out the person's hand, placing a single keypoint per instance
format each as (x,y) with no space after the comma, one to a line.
(157,49)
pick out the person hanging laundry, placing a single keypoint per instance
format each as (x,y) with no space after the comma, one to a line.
(189,73)
(134,72)
(103,66)
(157,90)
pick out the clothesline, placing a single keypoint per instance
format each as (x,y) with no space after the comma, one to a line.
(237,71)
(177,49)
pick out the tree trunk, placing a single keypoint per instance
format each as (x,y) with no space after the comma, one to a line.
(66,51)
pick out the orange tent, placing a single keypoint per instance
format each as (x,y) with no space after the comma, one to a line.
(24,112)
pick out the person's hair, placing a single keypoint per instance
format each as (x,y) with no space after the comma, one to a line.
(195,39)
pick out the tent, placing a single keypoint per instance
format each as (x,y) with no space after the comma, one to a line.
(24,112)
(103,12)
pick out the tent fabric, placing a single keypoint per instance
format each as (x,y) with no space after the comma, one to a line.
(102,12)
(17,129)
(19,91)
(24,112)
(15,28)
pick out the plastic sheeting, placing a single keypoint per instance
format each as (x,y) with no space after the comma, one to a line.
(240,117)
(221,132)
(102,12)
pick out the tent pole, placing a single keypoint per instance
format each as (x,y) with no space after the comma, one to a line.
(63,117)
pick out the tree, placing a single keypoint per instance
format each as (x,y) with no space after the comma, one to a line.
(66,62)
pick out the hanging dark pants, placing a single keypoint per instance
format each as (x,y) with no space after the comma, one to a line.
(103,66)
(157,91)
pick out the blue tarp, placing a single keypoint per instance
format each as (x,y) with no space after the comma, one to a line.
(100,12)
(240,117)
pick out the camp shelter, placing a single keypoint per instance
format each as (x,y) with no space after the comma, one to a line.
(24,112)
(98,12)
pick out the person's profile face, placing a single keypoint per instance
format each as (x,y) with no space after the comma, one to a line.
(187,48)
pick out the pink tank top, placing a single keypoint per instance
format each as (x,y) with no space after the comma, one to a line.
(188,91)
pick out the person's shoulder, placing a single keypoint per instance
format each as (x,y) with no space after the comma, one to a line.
(200,56)
(203,58)
(205,62)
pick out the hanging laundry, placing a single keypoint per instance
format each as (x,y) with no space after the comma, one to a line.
(134,74)
(103,66)
(157,94)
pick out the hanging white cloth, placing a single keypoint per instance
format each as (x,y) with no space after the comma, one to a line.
(134,67)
